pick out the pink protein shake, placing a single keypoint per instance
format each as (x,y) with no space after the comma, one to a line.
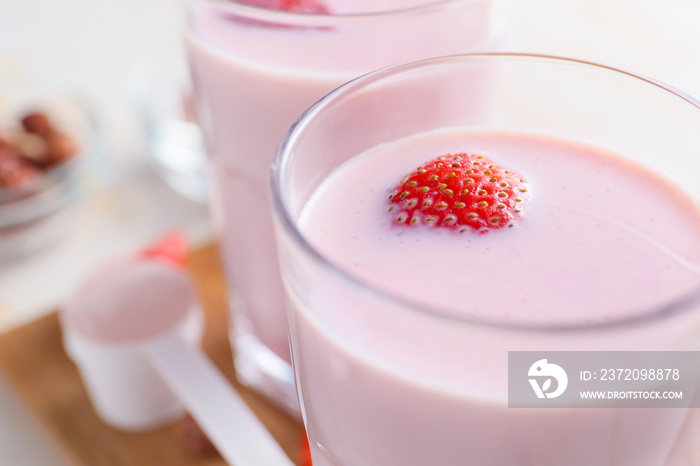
(254,72)
(603,238)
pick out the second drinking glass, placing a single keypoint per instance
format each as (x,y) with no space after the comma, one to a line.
(254,71)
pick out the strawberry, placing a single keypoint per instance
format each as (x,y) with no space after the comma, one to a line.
(461,192)
(171,248)
(304,450)
(302,6)
(293,6)
(194,438)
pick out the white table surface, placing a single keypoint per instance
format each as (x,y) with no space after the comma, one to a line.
(94,45)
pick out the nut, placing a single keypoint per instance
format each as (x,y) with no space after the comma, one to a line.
(37,123)
(61,147)
(15,170)
(31,146)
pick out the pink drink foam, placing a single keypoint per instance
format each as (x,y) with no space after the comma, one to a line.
(130,301)
(253,82)
(603,238)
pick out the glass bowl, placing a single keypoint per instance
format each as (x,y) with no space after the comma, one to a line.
(33,218)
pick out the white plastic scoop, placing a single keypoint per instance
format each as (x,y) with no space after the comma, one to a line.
(133,330)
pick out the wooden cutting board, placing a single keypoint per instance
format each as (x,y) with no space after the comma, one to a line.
(34,362)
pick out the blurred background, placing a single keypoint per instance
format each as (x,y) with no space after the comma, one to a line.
(123,59)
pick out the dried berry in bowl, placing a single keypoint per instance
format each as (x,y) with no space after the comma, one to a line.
(28,151)
(48,149)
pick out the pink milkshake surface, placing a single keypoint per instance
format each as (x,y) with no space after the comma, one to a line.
(418,380)
(253,80)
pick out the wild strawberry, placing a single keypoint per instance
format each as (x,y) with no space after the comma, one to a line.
(304,450)
(171,248)
(194,438)
(459,191)
(302,6)
(294,6)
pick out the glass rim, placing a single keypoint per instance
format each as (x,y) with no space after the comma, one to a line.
(673,307)
(326,19)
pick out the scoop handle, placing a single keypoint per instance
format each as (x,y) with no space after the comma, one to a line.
(227,420)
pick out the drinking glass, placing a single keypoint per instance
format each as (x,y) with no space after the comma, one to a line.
(384,378)
(254,70)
